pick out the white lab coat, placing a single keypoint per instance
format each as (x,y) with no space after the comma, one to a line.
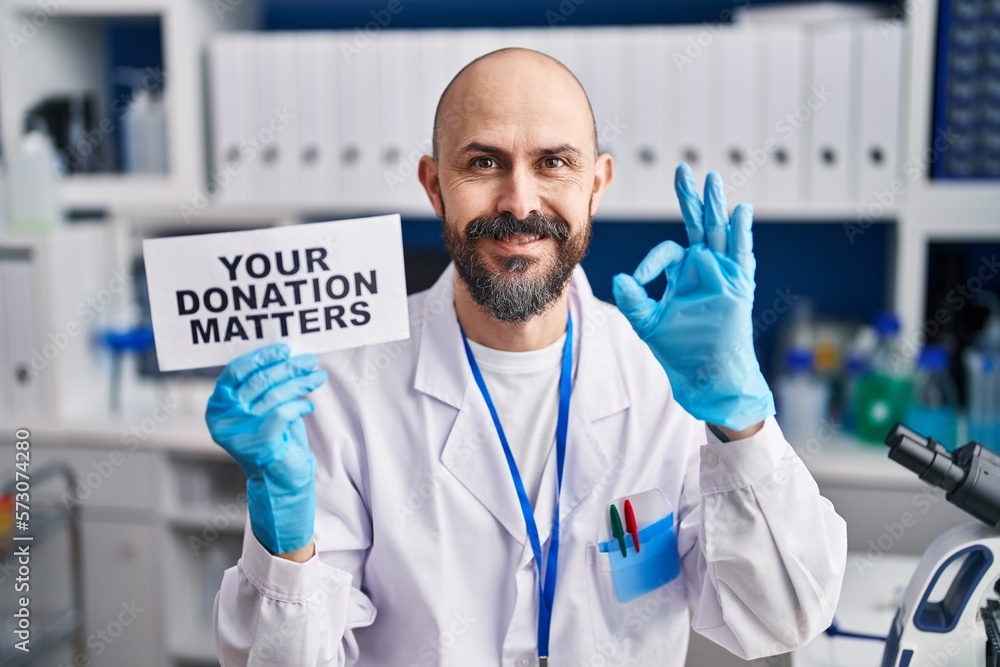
(417,519)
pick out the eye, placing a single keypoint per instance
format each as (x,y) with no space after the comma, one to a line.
(553,162)
(484,162)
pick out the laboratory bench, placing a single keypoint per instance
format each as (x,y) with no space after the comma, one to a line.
(163,510)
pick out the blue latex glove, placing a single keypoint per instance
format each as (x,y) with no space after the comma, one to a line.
(701,330)
(255,414)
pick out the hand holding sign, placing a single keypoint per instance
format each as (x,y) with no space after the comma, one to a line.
(255,414)
(320,287)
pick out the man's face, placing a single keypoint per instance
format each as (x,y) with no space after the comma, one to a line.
(516,176)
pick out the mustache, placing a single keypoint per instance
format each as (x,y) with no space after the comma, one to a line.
(506,224)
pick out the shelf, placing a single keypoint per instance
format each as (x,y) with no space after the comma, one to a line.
(197,518)
(117,190)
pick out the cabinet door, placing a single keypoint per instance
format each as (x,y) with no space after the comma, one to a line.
(121,614)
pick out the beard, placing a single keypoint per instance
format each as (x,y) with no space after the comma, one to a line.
(524,286)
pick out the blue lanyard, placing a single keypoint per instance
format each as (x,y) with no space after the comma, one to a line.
(547,587)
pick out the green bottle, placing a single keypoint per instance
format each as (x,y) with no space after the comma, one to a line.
(882,394)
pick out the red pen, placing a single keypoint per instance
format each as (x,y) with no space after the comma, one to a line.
(630,525)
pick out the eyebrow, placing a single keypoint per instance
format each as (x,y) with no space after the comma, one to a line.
(559,149)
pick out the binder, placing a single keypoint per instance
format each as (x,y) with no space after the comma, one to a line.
(269,161)
(830,99)
(227,76)
(318,113)
(400,141)
(278,116)
(654,147)
(878,107)
(697,114)
(609,83)
(286,106)
(741,154)
(782,49)
(359,95)
(437,67)
(26,384)
(391,135)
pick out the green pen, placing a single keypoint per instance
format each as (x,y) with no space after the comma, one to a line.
(616,529)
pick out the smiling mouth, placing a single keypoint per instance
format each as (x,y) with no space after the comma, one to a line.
(521,238)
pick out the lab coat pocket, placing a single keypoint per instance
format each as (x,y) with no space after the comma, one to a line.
(638,602)
(642,571)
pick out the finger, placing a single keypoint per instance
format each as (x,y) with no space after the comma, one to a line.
(239,369)
(264,379)
(716,217)
(631,298)
(741,238)
(287,391)
(691,208)
(277,422)
(659,258)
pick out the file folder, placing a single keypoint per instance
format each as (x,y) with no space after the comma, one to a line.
(697,112)
(653,156)
(231,89)
(830,100)
(16,290)
(269,162)
(741,154)
(286,106)
(878,107)
(782,50)
(359,95)
(608,84)
(400,133)
(318,117)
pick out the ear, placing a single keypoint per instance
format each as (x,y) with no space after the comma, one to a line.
(427,172)
(604,173)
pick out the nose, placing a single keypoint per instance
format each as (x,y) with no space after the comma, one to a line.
(519,194)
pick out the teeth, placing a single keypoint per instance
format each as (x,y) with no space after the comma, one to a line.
(520,239)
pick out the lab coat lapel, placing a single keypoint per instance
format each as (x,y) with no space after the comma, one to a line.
(472,450)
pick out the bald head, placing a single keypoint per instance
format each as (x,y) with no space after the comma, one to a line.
(517,79)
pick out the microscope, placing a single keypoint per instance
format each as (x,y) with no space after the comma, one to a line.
(950,614)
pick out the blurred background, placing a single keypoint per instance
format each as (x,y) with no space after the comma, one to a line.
(866,135)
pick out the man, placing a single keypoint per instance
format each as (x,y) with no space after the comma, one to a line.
(463,497)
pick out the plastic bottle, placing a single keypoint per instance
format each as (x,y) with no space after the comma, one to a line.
(857,362)
(982,375)
(883,393)
(933,410)
(803,398)
(32,184)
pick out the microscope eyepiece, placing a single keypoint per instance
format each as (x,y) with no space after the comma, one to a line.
(970,476)
(924,456)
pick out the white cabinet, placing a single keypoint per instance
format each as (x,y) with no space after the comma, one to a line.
(122,614)
(159,527)
(122,576)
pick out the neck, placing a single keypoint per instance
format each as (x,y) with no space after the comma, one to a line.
(481,327)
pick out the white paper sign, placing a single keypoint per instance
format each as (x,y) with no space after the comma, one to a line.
(318,287)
